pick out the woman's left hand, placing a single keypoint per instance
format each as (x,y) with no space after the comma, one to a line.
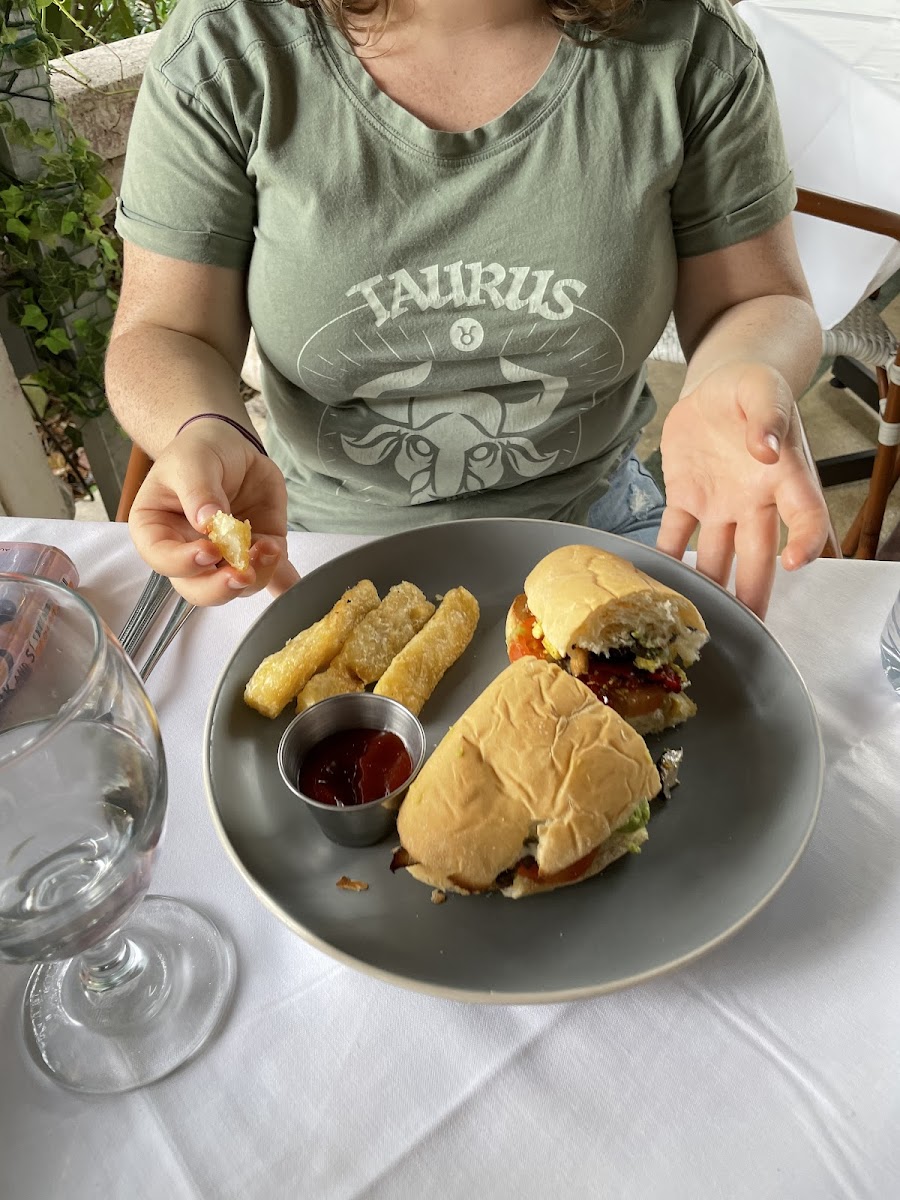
(733,461)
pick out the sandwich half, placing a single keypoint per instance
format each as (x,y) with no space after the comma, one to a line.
(627,636)
(535,787)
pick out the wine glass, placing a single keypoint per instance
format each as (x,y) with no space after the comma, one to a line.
(82,802)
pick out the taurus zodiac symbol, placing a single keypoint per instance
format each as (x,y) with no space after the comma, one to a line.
(459,442)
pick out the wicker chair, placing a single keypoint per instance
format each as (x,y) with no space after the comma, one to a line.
(864,337)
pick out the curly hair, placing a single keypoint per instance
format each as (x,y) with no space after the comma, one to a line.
(601,18)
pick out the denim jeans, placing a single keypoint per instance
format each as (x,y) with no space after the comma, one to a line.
(633,506)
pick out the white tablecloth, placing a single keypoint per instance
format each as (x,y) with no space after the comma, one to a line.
(770,1068)
(836,69)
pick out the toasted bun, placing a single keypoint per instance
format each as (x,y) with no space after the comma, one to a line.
(582,596)
(534,760)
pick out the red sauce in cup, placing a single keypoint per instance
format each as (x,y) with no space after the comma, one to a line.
(354,766)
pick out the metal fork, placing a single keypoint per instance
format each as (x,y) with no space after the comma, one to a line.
(180,614)
(156,591)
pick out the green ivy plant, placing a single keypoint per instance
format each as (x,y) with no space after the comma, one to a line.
(78,24)
(60,264)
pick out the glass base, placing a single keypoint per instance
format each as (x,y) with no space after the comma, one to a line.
(148,1013)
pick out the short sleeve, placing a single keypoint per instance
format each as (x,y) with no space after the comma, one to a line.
(735,181)
(185,191)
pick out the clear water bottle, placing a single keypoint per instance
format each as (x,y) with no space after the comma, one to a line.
(890,647)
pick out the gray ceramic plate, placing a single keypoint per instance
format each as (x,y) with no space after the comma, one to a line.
(734,829)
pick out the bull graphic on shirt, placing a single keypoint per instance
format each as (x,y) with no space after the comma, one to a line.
(455,443)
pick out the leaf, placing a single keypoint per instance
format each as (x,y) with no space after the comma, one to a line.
(29,54)
(69,223)
(19,133)
(45,138)
(55,341)
(14,225)
(13,199)
(37,395)
(33,318)
(16,258)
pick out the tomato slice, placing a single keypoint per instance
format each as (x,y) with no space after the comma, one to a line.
(523,643)
(529,868)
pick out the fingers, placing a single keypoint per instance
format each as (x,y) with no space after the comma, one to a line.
(715,552)
(283,577)
(803,509)
(183,489)
(165,517)
(675,531)
(216,586)
(200,500)
(807,534)
(756,543)
(169,545)
(269,567)
(768,405)
(268,556)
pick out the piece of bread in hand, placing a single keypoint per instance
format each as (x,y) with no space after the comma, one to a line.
(231,538)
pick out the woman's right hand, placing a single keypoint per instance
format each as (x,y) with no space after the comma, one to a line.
(208,467)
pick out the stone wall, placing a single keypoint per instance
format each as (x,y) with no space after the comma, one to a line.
(99,88)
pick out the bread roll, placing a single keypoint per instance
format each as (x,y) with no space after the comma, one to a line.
(585,601)
(583,596)
(535,768)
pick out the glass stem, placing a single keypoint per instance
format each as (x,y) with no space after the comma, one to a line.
(110,963)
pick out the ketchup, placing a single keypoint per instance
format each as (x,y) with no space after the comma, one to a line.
(354,766)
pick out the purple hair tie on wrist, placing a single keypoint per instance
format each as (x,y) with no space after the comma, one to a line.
(251,437)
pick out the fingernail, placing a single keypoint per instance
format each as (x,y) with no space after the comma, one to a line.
(204,559)
(206,514)
(236,585)
(773,443)
(266,560)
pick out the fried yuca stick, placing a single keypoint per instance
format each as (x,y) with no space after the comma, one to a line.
(381,635)
(332,682)
(371,647)
(280,677)
(231,538)
(420,665)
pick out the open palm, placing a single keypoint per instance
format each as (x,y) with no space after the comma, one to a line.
(734,463)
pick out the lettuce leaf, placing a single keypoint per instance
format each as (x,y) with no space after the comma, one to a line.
(637,820)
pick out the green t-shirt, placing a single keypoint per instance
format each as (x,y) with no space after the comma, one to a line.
(451,324)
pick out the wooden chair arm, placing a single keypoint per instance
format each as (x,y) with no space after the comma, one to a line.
(135,474)
(847,212)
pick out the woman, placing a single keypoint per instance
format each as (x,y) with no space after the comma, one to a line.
(458,231)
